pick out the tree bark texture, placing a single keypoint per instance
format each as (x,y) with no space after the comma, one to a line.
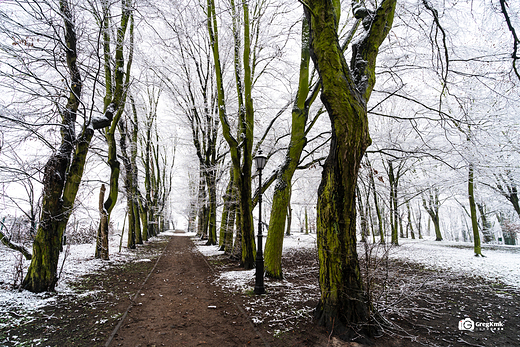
(241,156)
(473,212)
(115,98)
(227,224)
(282,191)
(345,93)
(432,207)
(487,233)
(102,235)
(62,175)
(394,213)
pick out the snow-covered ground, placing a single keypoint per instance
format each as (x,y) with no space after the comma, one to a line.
(236,280)
(79,261)
(501,263)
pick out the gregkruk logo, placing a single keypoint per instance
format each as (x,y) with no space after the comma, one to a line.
(467,324)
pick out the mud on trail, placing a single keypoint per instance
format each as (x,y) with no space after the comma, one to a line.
(179,306)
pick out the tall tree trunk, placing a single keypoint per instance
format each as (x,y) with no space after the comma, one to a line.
(139,237)
(212,208)
(282,192)
(246,203)
(306,221)
(131,224)
(227,224)
(409,225)
(473,212)
(224,217)
(345,93)
(376,204)
(62,176)
(418,222)
(394,213)
(241,156)
(102,235)
(237,245)
(129,185)
(432,207)
(143,211)
(114,103)
(289,219)
(363,217)
(487,233)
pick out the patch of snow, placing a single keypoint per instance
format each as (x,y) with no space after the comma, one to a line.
(207,251)
(144,260)
(501,263)
(236,280)
(296,241)
(79,261)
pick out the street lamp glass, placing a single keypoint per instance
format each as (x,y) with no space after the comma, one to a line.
(260,160)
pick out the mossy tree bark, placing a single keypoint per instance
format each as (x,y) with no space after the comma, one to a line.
(227,225)
(246,133)
(115,98)
(241,156)
(282,191)
(473,211)
(345,93)
(62,175)
(393,180)
(305,97)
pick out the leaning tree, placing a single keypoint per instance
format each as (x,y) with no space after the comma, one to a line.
(346,89)
(64,169)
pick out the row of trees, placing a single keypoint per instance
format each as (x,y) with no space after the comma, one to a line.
(245,75)
(67,77)
(429,119)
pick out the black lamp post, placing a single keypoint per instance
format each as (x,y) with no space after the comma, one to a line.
(260,161)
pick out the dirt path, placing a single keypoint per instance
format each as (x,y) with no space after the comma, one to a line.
(178,306)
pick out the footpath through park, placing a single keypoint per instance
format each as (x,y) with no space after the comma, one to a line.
(179,306)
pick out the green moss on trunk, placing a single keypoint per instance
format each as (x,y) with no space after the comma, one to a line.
(473,212)
(62,176)
(345,93)
(282,193)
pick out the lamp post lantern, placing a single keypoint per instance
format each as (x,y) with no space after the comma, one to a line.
(260,161)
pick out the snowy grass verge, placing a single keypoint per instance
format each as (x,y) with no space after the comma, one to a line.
(500,264)
(18,306)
